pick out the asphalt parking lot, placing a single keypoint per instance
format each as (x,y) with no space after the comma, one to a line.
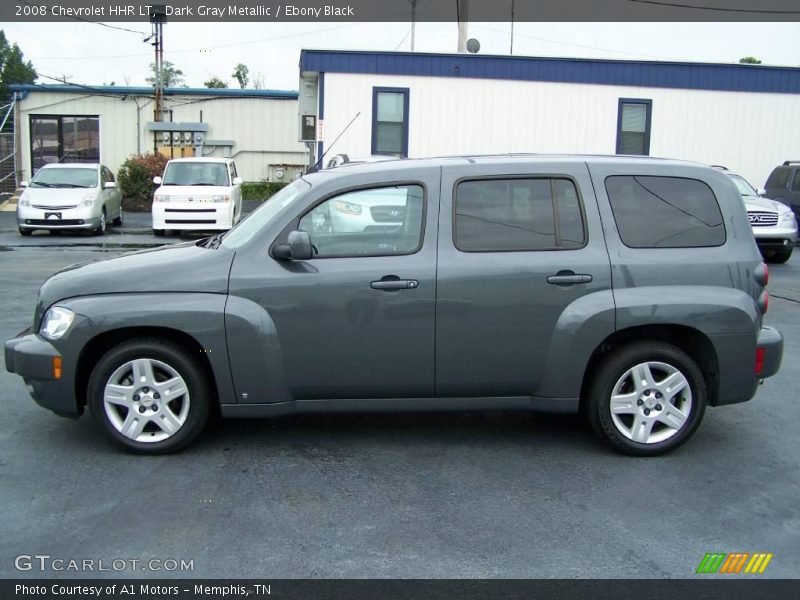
(422,496)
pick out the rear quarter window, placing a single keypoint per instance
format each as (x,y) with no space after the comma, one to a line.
(779,178)
(665,212)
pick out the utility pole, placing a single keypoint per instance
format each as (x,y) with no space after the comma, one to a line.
(413,21)
(511,52)
(463,20)
(158,16)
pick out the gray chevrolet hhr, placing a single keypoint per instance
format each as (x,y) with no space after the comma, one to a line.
(630,289)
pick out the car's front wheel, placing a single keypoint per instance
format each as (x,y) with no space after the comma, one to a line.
(781,255)
(150,396)
(647,398)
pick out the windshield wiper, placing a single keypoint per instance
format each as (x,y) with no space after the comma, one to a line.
(40,184)
(69,185)
(214,241)
(204,183)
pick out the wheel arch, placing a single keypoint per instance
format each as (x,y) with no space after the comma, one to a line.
(692,341)
(103,342)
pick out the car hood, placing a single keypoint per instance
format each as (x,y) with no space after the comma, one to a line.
(56,196)
(185,267)
(759,203)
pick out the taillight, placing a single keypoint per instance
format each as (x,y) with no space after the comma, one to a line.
(763,301)
(760,360)
(766,273)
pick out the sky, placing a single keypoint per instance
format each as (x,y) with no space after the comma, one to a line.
(91,54)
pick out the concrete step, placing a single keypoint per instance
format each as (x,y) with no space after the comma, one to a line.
(11,203)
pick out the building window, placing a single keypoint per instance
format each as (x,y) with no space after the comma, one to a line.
(517,215)
(390,121)
(64,138)
(633,126)
(665,212)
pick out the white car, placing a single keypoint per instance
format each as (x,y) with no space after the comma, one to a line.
(65,196)
(200,194)
(774,224)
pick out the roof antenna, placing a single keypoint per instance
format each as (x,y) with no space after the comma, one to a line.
(315,167)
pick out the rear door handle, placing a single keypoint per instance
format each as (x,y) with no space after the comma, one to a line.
(394,284)
(568,278)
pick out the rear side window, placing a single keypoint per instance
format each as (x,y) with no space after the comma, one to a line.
(779,178)
(503,215)
(665,212)
(796,181)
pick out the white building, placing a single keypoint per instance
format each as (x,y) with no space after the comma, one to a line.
(746,117)
(109,123)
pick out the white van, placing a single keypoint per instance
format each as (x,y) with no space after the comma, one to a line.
(197,194)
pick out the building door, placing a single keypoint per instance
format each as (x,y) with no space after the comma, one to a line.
(64,138)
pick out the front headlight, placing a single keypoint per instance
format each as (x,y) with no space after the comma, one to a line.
(787,216)
(88,199)
(161,198)
(23,201)
(56,322)
(349,208)
(220,198)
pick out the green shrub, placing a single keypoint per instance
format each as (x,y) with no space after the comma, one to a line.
(135,179)
(260,190)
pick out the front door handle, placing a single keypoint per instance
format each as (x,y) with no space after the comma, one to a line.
(568,278)
(392,283)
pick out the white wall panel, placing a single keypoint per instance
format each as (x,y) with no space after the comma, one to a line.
(749,132)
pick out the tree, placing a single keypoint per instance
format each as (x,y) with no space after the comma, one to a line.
(749,60)
(215,82)
(13,66)
(171,76)
(258,81)
(240,74)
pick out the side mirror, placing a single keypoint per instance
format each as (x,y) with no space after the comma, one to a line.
(23,184)
(761,192)
(109,185)
(157,180)
(298,247)
(237,181)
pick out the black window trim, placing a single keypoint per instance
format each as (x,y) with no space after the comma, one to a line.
(294,224)
(549,176)
(616,223)
(374,134)
(648,102)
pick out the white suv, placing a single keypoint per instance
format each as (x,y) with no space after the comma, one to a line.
(200,194)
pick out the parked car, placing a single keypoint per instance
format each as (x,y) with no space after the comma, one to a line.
(783,185)
(69,196)
(627,288)
(773,222)
(202,194)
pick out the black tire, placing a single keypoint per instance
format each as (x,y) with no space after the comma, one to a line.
(26,232)
(611,371)
(158,232)
(187,366)
(781,256)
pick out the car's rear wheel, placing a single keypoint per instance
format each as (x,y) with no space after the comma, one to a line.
(647,398)
(150,396)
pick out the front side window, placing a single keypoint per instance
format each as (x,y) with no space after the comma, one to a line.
(633,126)
(745,189)
(796,182)
(62,177)
(196,173)
(778,178)
(501,215)
(390,121)
(665,212)
(370,222)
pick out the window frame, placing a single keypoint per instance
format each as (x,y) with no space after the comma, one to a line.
(374,133)
(517,176)
(648,103)
(661,248)
(294,224)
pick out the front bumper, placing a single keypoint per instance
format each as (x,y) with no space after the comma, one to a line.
(782,234)
(31,357)
(203,216)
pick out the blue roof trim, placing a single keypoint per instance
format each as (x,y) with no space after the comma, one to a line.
(697,76)
(148,91)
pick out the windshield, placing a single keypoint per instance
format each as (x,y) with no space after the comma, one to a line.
(244,231)
(65,178)
(196,173)
(745,189)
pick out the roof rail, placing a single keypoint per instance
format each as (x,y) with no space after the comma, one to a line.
(790,162)
(724,168)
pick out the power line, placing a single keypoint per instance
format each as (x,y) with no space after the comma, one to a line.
(92,22)
(718,8)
